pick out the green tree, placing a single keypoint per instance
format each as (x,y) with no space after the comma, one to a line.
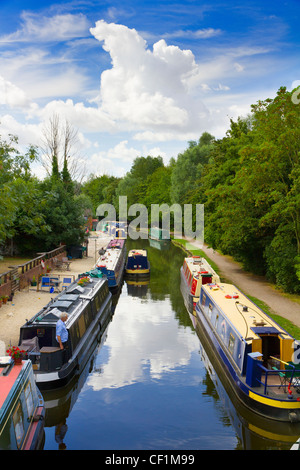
(19,209)
(252,203)
(186,174)
(63,214)
(100,189)
(134,185)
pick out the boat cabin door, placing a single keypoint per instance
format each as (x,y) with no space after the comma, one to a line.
(270,347)
(268,343)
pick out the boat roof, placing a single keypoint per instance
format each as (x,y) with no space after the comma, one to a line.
(110,257)
(246,317)
(9,374)
(71,301)
(137,253)
(116,243)
(197,265)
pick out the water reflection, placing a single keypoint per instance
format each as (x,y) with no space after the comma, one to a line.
(143,344)
(59,402)
(152,384)
(137,288)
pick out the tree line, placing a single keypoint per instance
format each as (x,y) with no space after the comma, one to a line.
(248,181)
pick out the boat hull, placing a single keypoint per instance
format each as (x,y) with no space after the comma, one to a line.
(60,378)
(114,278)
(22,411)
(189,300)
(138,273)
(137,265)
(114,274)
(280,410)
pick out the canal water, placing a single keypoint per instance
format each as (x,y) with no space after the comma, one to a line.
(150,384)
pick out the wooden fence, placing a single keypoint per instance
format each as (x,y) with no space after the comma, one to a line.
(18,277)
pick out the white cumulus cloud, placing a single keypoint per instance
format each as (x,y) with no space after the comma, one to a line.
(11,95)
(149,90)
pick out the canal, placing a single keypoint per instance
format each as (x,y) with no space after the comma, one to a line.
(150,384)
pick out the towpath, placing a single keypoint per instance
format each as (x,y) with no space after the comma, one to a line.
(254,285)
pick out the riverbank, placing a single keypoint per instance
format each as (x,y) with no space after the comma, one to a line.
(29,301)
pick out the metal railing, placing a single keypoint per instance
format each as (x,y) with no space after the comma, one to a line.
(287,377)
(33,263)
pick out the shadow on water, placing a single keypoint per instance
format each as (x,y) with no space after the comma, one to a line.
(151,384)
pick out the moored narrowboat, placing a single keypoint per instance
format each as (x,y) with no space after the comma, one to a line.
(259,358)
(194,273)
(137,263)
(157,233)
(22,408)
(112,262)
(87,303)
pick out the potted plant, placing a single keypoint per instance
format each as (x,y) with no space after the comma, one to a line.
(33,281)
(16,354)
(5,299)
(83,281)
(48,268)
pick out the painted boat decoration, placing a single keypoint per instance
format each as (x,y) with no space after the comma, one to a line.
(112,262)
(137,263)
(22,408)
(256,354)
(87,303)
(194,273)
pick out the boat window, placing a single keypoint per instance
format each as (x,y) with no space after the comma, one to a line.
(231,343)
(203,299)
(216,320)
(29,399)
(18,421)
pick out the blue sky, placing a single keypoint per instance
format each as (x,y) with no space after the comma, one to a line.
(139,78)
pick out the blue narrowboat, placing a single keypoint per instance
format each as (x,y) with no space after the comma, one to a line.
(157,233)
(112,262)
(259,357)
(137,264)
(22,409)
